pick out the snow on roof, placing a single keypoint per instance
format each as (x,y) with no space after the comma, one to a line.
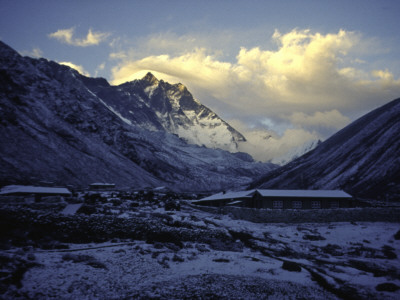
(12,189)
(71,209)
(304,193)
(160,188)
(229,195)
(235,202)
(278,193)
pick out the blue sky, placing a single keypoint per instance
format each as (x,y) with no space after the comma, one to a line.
(296,70)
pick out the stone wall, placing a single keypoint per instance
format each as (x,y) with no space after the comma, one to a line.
(365,214)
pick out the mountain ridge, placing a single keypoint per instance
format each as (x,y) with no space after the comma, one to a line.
(57,126)
(362,158)
(177,112)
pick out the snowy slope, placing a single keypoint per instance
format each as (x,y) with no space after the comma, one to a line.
(295,152)
(147,253)
(363,159)
(59,126)
(158,105)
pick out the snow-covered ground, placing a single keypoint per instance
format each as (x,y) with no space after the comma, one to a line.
(329,261)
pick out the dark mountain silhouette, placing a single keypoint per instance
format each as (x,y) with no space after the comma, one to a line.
(363,159)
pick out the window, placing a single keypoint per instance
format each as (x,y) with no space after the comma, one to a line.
(297,204)
(334,204)
(315,204)
(277,204)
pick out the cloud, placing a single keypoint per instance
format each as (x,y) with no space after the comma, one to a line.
(195,66)
(99,68)
(267,145)
(306,81)
(36,53)
(279,149)
(78,68)
(328,119)
(304,71)
(118,55)
(67,36)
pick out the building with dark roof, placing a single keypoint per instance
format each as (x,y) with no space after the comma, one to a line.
(280,199)
(36,191)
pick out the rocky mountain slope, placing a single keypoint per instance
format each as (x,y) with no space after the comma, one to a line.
(157,105)
(363,159)
(57,125)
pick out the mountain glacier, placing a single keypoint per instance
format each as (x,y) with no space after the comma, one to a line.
(157,105)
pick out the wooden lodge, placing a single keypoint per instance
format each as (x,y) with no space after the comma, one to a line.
(280,199)
(34,191)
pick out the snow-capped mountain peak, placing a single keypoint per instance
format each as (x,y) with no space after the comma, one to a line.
(149,77)
(159,105)
(58,125)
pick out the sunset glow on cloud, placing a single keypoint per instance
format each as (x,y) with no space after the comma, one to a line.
(67,36)
(295,71)
(305,81)
(80,69)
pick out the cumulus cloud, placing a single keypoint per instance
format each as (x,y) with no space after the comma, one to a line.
(67,36)
(266,145)
(303,71)
(328,119)
(79,68)
(269,145)
(313,83)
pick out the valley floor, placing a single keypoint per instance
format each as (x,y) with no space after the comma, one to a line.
(244,260)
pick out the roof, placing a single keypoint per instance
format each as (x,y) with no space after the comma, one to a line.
(304,193)
(235,202)
(229,195)
(26,189)
(71,209)
(278,193)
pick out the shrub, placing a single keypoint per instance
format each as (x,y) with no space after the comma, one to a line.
(224,260)
(332,249)
(172,205)
(387,287)
(87,259)
(312,237)
(87,209)
(177,258)
(291,266)
(388,252)
(242,236)
(164,237)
